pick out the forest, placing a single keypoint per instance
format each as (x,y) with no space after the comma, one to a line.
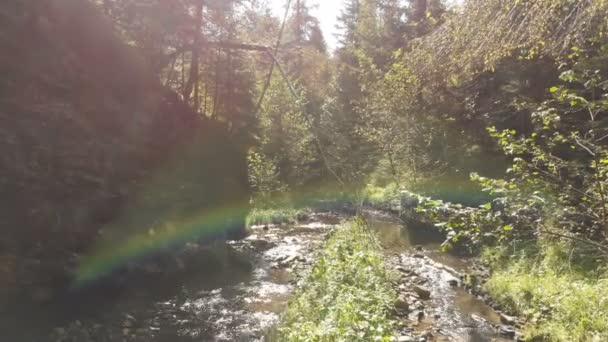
(223,170)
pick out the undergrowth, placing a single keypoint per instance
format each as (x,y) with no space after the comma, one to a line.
(346,296)
(559,289)
(382,197)
(285,215)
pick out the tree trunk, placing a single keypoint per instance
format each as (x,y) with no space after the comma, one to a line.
(193,81)
(393,168)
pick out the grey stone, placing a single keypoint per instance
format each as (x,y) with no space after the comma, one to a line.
(507,331)
(403,269)
(422,292)
(506,319)
(401,303)
(453,281)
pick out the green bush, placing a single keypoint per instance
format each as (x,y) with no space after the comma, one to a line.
(268,190)
(381,197)
(346,296)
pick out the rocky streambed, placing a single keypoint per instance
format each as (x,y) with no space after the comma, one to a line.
(236,291)
(434,303)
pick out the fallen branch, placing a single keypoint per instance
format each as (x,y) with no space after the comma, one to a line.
(600,246)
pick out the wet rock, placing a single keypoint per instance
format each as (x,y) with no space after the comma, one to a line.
(261,245)
(422,292)
(403,270)
(507,331)
(478,318)
(288,261)
(508,320)
(129,321)
(453,281)
(421,281)
(402,303)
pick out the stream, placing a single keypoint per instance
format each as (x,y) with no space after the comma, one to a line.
(250,285)
(450,313)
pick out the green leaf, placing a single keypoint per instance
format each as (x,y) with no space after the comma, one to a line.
(553,89)
(567,76)
(507,228)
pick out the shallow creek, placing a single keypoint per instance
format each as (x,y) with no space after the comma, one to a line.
(250,286)
(450,313)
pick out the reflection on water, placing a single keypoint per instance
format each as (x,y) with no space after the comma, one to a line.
(244,311)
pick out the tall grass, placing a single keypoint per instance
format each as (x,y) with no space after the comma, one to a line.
(287,215)
(346,296)
(562,292)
